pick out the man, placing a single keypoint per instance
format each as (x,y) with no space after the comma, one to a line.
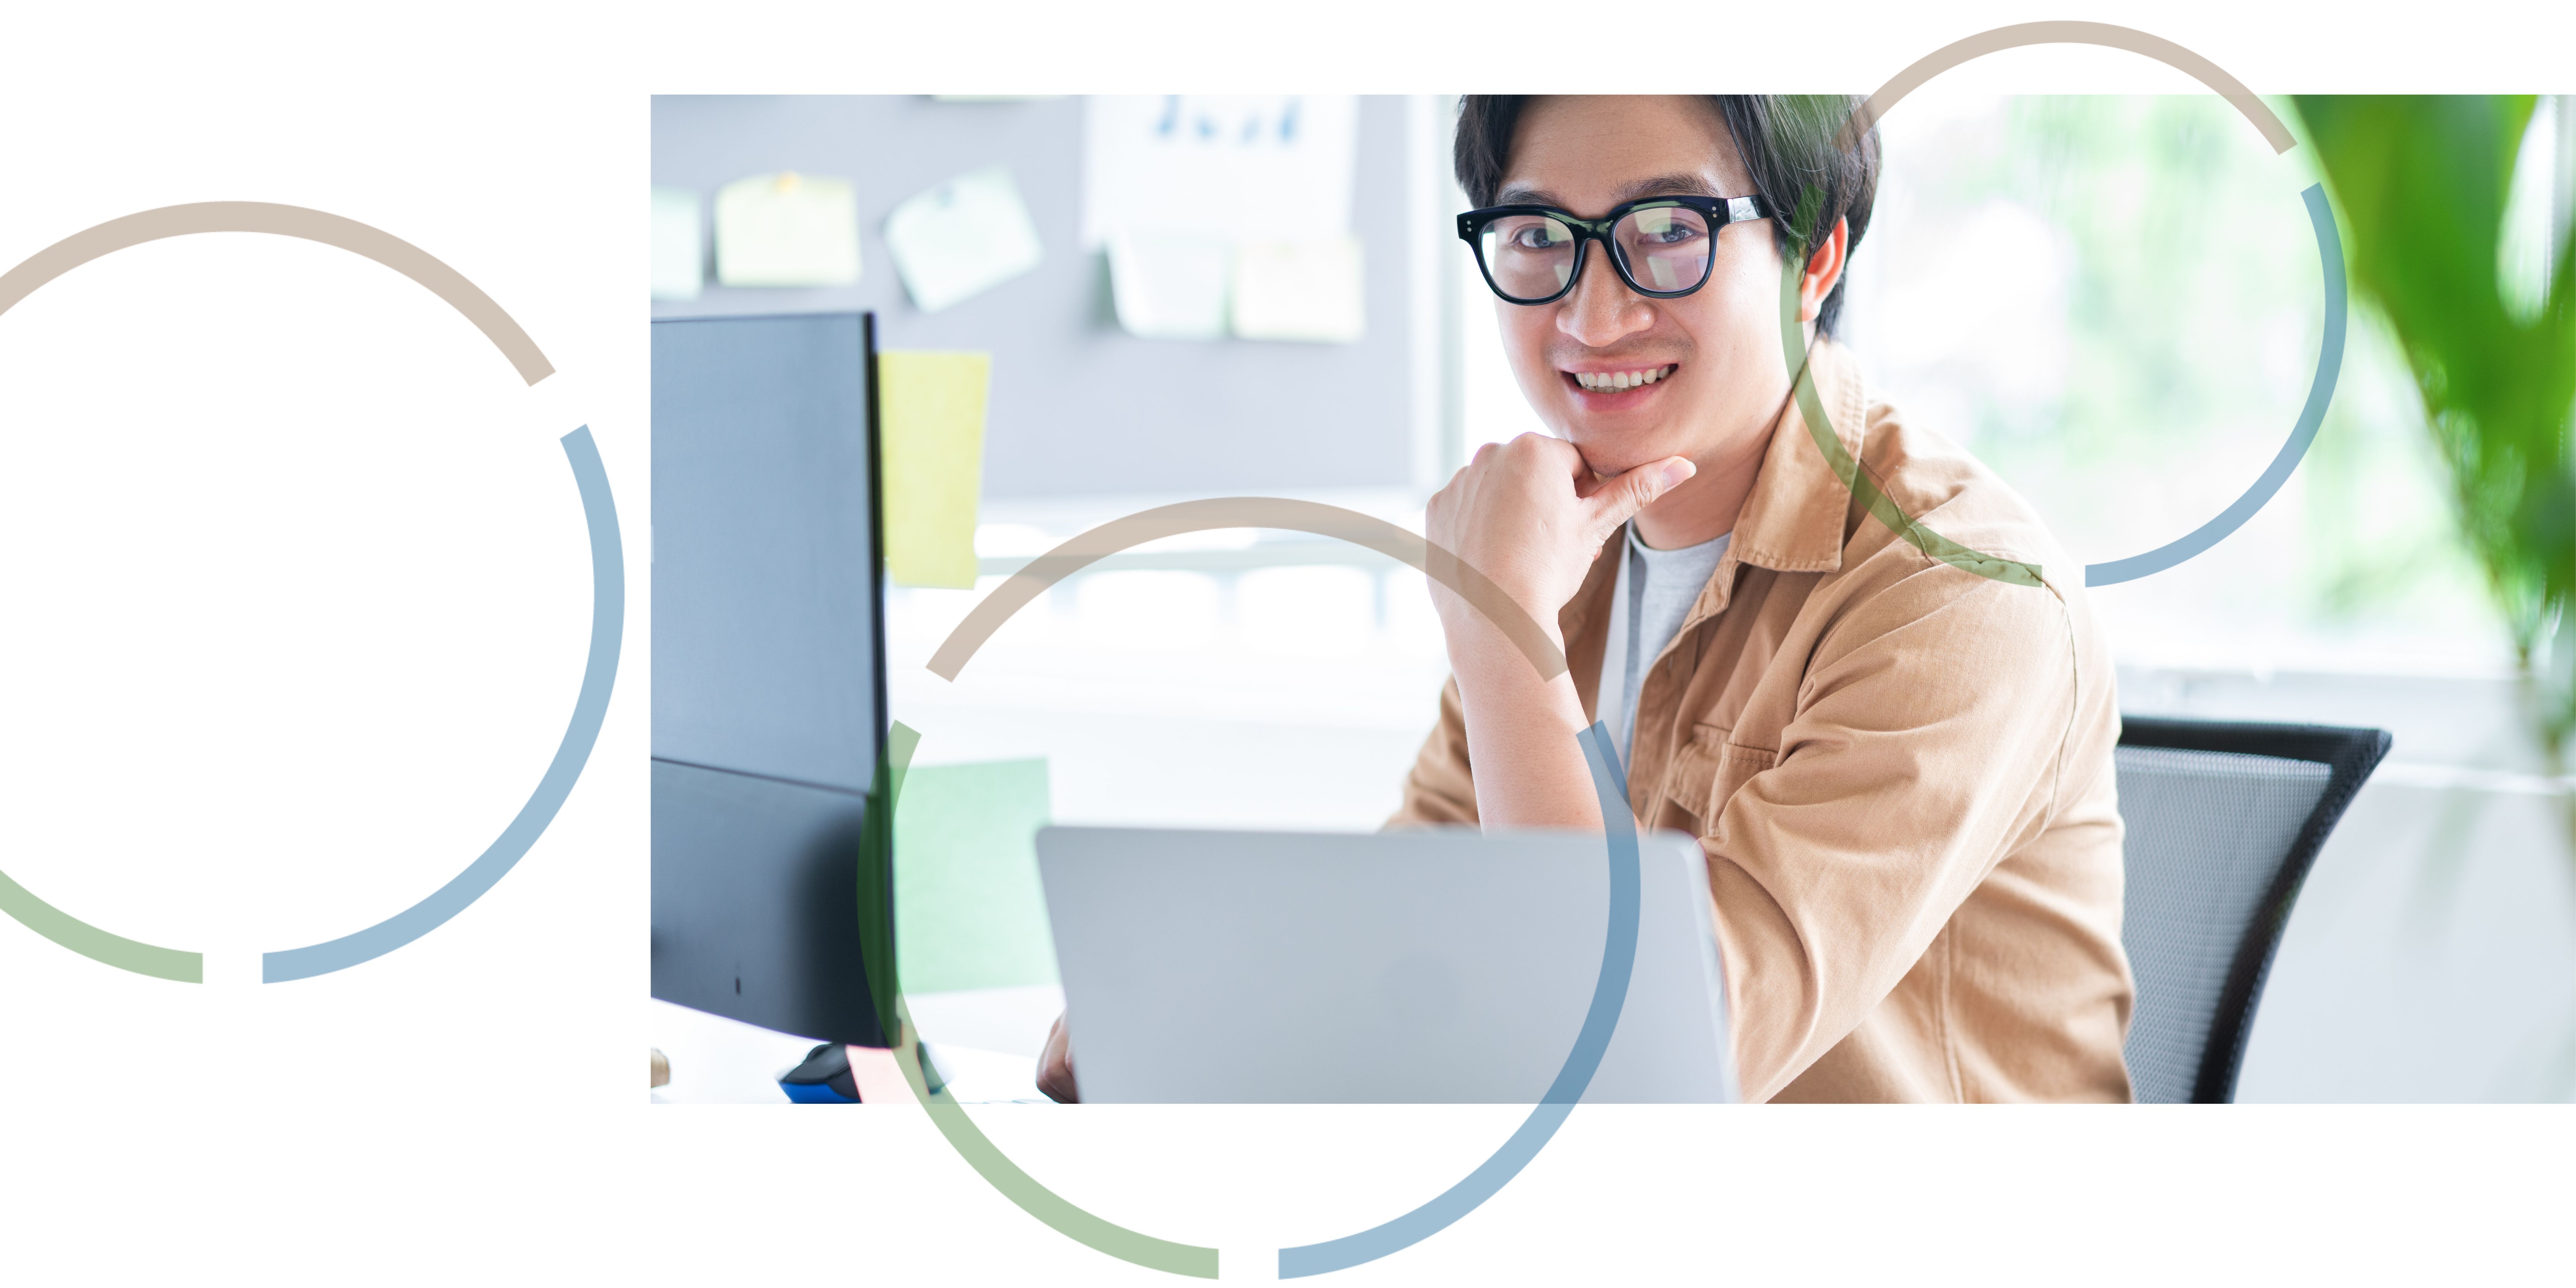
(1900,770)
(1899,767)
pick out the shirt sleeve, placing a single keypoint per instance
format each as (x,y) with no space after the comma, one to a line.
(1439,791)
(1925,744)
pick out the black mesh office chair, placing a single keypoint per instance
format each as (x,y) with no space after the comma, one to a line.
(2224,821)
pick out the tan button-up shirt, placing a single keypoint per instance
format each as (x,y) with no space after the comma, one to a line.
(1900,772)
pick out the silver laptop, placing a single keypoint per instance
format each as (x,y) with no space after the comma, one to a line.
(1394,968)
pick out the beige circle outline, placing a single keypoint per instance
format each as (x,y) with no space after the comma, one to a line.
(2104,34)
(1315,517)
(283,221)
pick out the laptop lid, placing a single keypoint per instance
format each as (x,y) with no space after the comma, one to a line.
(1400,967)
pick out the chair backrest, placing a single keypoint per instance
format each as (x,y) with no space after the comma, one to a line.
(2224,821)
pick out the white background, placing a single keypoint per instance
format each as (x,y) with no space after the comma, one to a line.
(295,599)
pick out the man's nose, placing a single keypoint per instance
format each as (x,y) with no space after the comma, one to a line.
(1601,310)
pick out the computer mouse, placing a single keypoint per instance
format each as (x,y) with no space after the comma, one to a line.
(824,1078)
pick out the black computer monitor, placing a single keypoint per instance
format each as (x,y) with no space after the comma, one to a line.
(769,706)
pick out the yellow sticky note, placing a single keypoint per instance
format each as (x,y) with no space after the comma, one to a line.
(932,408)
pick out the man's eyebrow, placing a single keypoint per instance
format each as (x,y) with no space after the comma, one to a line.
(1668,185)
(1662,185)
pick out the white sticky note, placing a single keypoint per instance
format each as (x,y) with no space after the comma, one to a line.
(1251,167)
(1312,290)
(787,229)
(1170,287)
(961,238)
(679,271)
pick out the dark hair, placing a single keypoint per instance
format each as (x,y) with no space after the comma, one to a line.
(1787,142)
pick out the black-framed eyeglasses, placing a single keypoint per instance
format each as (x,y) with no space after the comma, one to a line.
(1662,247)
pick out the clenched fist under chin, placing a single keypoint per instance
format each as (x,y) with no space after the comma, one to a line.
(1531,516)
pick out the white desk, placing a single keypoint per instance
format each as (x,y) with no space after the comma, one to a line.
(1014,1020)
(985,1043)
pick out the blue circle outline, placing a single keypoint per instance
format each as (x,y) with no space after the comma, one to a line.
(1619,834)
(2321,390)
(599,676)
(1609,998)
(608,586)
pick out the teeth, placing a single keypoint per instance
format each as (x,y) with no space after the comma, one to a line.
(1614,381)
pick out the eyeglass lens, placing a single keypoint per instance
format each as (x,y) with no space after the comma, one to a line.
(1663,248)
(1666,248)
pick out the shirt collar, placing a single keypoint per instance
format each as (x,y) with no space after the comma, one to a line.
(1794,520)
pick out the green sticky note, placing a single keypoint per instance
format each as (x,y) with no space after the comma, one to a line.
(787,229)
(933,408)
(968,909)
(678,260)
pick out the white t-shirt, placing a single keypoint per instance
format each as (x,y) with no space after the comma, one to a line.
(1655,591)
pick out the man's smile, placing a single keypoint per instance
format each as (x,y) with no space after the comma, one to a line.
(1599,388)
(1614,381)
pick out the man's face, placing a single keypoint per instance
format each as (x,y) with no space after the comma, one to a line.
(1718,349)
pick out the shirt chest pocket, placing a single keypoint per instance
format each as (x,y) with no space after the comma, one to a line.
(1707,772)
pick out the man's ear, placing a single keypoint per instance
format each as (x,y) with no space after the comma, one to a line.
(1824,270)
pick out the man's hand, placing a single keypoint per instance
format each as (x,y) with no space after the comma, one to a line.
(1055,1066)
(1530,515)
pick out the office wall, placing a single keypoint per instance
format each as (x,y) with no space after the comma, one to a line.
(1079,406)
